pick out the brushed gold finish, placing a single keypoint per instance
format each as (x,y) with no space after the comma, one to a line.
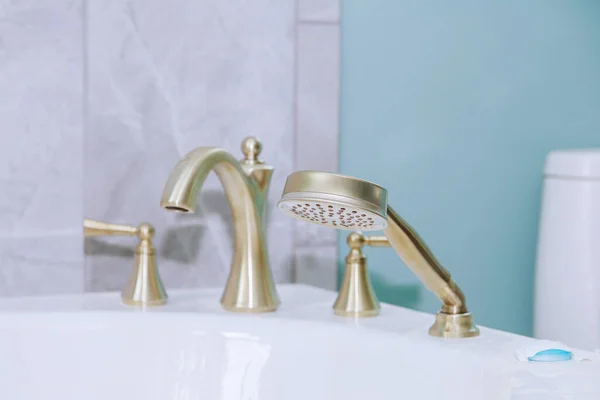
(454,326)
(357,297)
(355,197)
(419,258)
(250,286)
(377,241)
(92,228)
(145,287)
(335,189)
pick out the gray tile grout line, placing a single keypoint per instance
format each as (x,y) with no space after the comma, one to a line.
(304,22)
(84,120)
(338,236)
(295,245)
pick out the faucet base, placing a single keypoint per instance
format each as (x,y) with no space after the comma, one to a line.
(249,295)
(373,312)
(453,326)
(251,310)
(244,307)
(145,288)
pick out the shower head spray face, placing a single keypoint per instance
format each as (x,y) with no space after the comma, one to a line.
(333,215)
(336,201)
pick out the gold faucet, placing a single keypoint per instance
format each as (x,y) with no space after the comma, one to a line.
(357,297)
(250,286)
(145,288)
(349,203)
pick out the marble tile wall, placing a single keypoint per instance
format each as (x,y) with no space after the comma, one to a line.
(121,90)
(165,78)
(41,86)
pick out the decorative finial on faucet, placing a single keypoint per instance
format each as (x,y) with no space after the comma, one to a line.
(251,147)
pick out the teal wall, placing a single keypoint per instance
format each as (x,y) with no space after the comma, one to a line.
(452,106)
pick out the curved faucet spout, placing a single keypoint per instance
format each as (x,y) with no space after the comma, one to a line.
(188,176)
(250,286)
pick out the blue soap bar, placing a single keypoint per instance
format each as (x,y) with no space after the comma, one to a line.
(551,355)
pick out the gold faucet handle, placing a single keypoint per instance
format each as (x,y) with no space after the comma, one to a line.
(357,240)
(377,241)
(92,228)
(145,287)
(357,297)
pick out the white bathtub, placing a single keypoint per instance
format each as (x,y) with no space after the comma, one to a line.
(91,347)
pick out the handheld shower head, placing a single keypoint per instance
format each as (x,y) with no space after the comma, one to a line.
(336,201)
(348,203)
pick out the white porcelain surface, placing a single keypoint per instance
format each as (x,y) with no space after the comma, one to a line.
(567,281)
(90,346)
(583,163)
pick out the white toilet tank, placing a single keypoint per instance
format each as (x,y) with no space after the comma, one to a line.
(567,281)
